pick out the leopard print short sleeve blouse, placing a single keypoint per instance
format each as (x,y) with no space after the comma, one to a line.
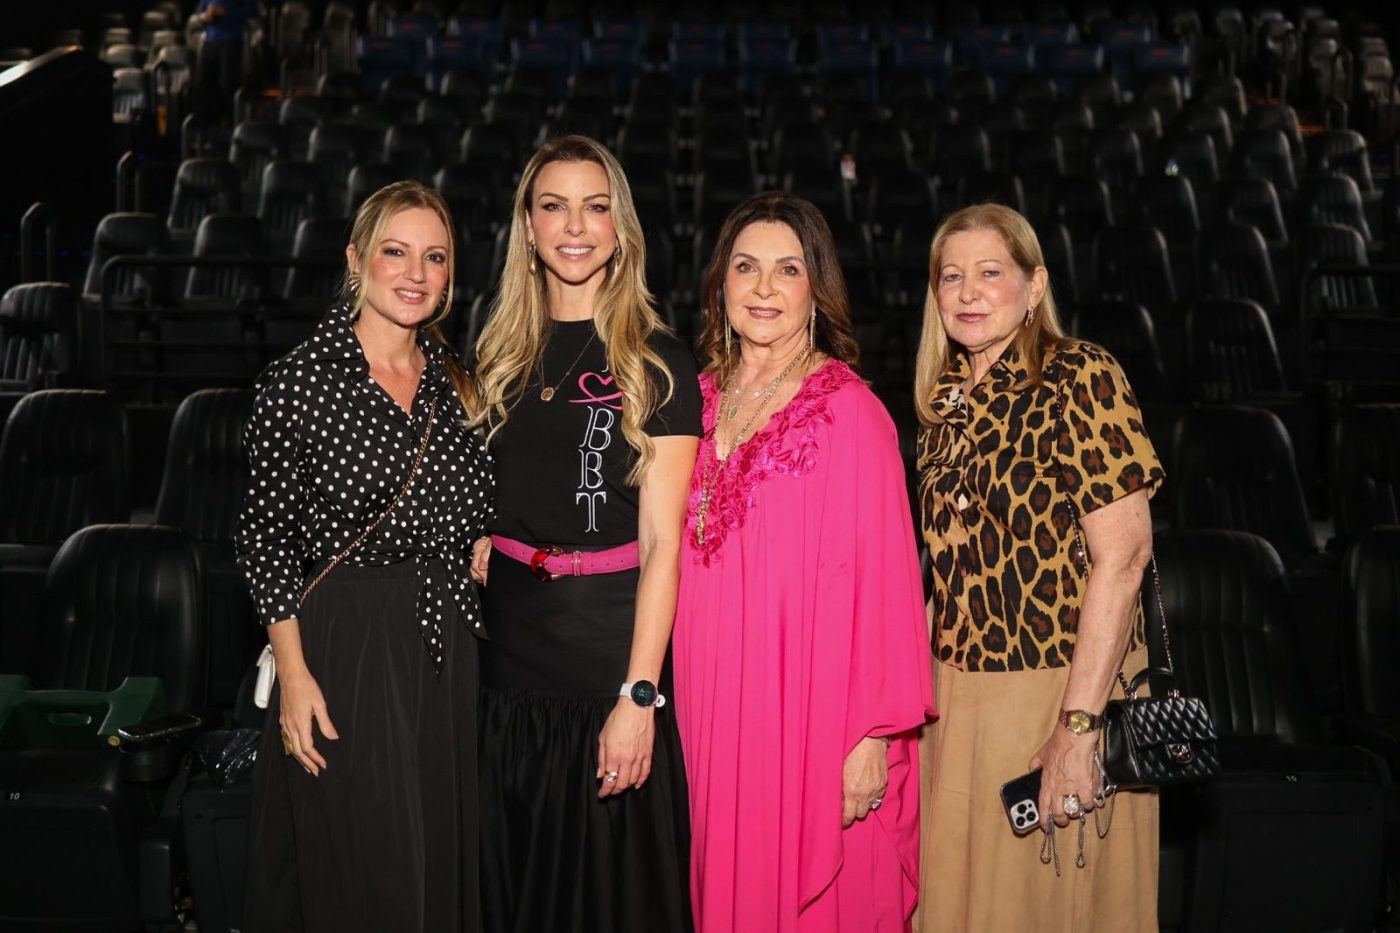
(996,482)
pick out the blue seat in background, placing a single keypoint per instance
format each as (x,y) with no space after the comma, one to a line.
(691,57)
(418,25)
(619,57)
(1069,64)
(1120,43)
(620,28)
(759,29)
(697,30)
(892,34)
(490,32)
(552,56)
(567,29)
(1003,62)
(829,34)
(1049,33)
(972,38)
(452,53)
(930,57)
(384,57)
(760,58)
(852,57)
(1159,58)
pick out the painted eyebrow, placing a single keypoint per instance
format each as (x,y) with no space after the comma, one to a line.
(389,239)
(977,262)
(780,259)
(591,197)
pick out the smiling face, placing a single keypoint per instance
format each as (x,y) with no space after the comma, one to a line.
(767,290)
(405,275)
(570,220)
(982,294)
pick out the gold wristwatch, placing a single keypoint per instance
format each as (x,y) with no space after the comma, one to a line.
(1080,721)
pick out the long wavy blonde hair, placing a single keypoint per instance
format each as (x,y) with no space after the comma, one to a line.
(1035,341)
(365,233)
(513,340)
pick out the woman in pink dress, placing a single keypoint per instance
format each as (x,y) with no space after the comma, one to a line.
(801,649)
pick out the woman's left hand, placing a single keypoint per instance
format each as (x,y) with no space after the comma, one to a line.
(864,779)
(481,559)
(1067,767)
(624,747)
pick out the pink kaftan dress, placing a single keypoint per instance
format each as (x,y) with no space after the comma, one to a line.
(800,630)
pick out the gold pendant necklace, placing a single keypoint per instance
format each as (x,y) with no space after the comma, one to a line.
(547,392)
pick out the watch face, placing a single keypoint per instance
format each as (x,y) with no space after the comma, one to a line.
(644,693)
(1080,722)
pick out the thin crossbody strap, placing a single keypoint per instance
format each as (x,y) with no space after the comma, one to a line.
(393,506)
(1083,556)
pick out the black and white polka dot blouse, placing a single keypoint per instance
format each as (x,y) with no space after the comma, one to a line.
(328,450)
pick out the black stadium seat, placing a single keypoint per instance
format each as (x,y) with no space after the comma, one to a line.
(63,465)
(200,494)
(1372,649)
(203,186)
(38,336)
(1231,352)
(120,601)
(125,234)
(1365,470)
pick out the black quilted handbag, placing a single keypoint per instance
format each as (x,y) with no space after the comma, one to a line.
(1157,741)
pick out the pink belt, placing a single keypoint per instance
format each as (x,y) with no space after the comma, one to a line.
(550,562)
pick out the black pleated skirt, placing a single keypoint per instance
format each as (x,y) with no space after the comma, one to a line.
(386,838)
(555,857)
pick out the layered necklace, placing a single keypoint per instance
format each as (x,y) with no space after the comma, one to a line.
(710,474)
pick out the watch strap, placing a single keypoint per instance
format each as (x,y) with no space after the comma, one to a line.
(626,691)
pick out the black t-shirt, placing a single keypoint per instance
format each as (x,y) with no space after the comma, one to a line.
(562,465)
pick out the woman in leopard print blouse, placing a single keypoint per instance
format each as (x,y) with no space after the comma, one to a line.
(1027,435)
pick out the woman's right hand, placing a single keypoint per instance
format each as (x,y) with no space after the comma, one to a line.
(303,704)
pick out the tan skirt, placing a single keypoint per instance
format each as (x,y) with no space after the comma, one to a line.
(976,874)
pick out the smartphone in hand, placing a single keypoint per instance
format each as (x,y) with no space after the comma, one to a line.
(1021,799)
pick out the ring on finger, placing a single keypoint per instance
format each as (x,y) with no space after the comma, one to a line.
(1072,806)
(875,804)
(610,777)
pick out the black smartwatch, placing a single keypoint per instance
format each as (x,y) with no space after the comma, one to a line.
(643,693)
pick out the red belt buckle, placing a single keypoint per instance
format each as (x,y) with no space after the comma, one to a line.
(537,560)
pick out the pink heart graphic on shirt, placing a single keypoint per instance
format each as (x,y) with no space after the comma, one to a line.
(590,395)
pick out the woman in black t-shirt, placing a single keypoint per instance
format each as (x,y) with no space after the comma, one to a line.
(592,410)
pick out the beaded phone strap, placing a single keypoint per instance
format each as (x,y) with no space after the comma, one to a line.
(393,506)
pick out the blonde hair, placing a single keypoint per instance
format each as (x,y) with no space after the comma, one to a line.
(365,233)
(1034,340)
(514,338)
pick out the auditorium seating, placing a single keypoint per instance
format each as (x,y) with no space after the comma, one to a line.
(1214,189)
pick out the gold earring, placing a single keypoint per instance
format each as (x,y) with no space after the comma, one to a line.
(354,282)
(531,247)
(812,331)
(1030,316)
(728,339)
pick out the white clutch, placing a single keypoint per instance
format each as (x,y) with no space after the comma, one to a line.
(267,673)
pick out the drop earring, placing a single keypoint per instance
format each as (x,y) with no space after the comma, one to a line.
(728,340)
(530,246)
(354,283)
(812,331)
(1030,316)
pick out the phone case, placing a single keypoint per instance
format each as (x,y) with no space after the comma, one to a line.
(1020,798)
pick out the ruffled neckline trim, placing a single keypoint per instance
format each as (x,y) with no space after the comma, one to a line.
(786,445)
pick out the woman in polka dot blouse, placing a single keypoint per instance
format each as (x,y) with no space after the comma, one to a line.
(364,800)
(592,410)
